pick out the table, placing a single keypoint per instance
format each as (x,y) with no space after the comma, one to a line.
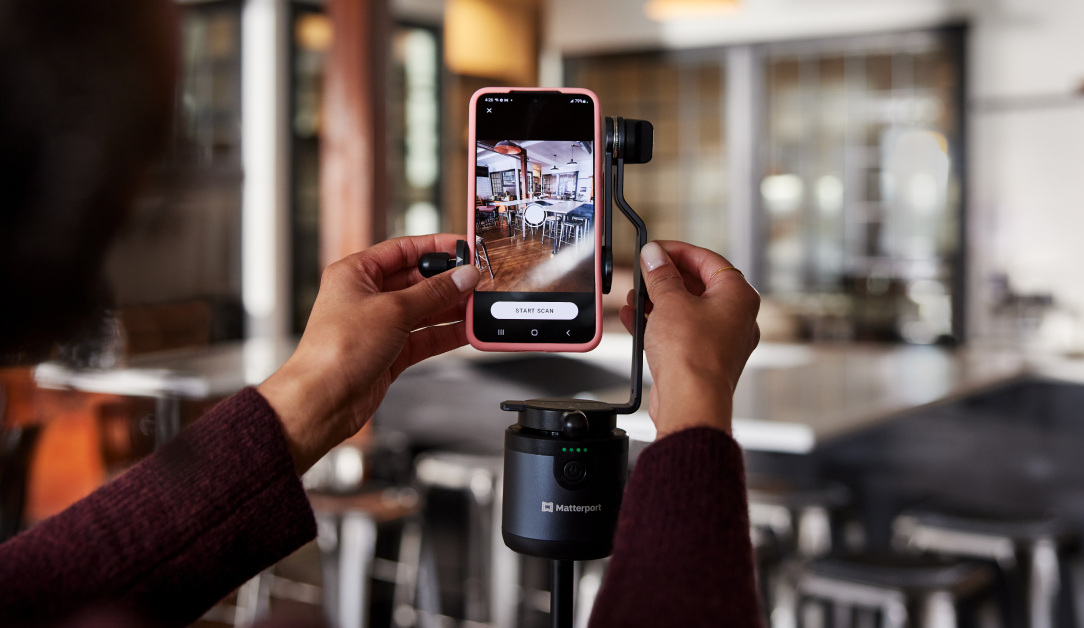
(173,376)
(792,398)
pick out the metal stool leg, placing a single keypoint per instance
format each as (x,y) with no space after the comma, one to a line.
(358,543)
(347,545)
(480,255)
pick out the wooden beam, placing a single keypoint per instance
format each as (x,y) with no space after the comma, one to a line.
(353,178)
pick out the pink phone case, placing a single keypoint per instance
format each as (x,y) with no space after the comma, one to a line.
(523,346)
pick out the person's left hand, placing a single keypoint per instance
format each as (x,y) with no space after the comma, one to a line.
(375,315)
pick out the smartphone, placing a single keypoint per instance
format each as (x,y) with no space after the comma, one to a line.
(534,219)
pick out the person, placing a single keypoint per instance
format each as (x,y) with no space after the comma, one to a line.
(166,540)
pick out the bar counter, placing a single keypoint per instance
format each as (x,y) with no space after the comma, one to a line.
(791,396)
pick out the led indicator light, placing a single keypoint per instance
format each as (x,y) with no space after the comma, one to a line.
(564,449)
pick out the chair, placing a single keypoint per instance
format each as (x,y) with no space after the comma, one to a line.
(486,216)
(892,591)
(534,217)
(481,256)
(1029,550)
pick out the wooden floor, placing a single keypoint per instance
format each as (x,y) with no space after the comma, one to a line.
(530,266)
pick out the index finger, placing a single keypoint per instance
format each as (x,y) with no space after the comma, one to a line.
(697,265)
(391,256)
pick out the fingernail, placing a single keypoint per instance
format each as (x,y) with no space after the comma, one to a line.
(652,256)
(465,277)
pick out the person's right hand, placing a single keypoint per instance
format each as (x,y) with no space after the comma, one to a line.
(700,332)
(375,316)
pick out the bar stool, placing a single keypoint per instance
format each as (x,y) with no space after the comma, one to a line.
(569,231)
(893,591)
(513,219)
(348,516)
(581,228)
(551,224)
(791,522)
(1029,551)
(466,488)
(796,511)
(481,256)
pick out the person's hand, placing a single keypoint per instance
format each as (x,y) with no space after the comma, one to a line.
(700,332)
(375,315)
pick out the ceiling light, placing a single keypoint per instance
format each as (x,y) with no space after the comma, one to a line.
(555,163)
(314,32)
(665,10)
(507,147)
(572,161)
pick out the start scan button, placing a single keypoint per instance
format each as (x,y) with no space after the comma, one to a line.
(534,310)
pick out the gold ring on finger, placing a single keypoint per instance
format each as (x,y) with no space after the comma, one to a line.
(725,268)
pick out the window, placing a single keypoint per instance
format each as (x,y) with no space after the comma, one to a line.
(681,193)
(861,193)
(414,132)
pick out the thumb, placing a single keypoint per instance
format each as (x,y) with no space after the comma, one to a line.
(432,296)
(662,278)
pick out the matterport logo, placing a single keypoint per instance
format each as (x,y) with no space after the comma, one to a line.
(550,507)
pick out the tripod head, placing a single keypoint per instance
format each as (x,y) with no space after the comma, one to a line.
(566,461)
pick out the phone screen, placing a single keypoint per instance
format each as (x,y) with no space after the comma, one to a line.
(535,199)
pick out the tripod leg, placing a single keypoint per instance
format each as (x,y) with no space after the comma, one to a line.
(561,593)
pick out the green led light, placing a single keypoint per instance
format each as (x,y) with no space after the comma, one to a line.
(564,449)
(577,449)
(584,450)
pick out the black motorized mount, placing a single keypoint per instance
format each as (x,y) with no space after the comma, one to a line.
(565,460)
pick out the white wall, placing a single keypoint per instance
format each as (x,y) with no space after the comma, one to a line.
(1027,183)
(1026,205)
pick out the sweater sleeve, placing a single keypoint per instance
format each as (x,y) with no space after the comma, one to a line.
(172,535)
(682,552)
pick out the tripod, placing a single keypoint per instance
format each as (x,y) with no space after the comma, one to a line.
(568,454)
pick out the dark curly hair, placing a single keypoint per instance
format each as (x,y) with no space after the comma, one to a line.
(86,89)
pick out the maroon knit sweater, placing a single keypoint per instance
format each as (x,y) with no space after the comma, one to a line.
(182,529)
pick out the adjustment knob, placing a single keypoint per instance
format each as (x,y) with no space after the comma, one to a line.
(433,264)
(575,424)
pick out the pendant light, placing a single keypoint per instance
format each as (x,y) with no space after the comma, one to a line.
(555,163)
(507,147)
(572,161)
(678,10)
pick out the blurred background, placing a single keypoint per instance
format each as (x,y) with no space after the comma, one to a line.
(900,179)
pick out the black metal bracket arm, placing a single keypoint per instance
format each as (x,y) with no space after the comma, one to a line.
(627,141)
